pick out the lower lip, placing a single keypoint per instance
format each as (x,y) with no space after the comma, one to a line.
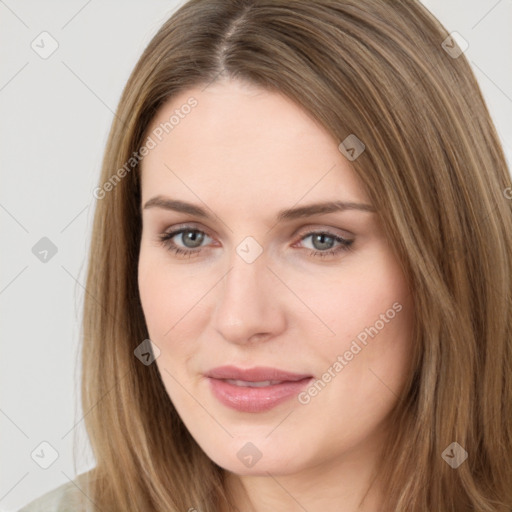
(246,399)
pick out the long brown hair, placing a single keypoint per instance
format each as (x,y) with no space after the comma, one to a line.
(434,169)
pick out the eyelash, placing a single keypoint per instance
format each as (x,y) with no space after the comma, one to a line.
(166,240)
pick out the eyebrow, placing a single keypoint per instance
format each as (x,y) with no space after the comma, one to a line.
(287,214)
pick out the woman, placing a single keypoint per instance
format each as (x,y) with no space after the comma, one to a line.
(299,284)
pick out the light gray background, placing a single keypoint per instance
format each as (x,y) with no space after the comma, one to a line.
(55,115)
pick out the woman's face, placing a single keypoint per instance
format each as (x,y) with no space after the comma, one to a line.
(313,300)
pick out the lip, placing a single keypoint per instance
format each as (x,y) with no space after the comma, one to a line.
(256,374)
(255,399)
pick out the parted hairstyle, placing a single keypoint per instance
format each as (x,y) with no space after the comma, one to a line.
(434,169)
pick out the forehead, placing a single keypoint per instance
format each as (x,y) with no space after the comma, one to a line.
(240,142)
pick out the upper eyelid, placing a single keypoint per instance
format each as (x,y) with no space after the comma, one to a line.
(193,227)
(176,230)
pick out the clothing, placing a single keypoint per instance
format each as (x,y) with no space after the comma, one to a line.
(65,498)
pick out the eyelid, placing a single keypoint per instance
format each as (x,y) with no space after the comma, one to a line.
(300,233)
(342,233)
(179,229)
(344,243)
(187,226)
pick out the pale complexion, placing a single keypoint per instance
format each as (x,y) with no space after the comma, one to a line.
(243,154)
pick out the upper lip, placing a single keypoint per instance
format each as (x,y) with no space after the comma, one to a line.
(256,374)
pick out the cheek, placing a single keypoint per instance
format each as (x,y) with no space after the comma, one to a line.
(167,307)
(380,342)
(349,302)
(370,311)
(156,299)
(166,299)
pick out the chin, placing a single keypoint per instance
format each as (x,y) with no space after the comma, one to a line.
(256,458)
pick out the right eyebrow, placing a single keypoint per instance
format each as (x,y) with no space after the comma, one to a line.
(287,214)
(177,206)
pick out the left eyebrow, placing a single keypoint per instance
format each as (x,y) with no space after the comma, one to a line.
(288,214)
(319,208)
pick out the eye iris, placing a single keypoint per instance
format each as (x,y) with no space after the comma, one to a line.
(192,236)
(323,245)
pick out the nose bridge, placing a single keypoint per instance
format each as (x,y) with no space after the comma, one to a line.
(244,284)
(247,304)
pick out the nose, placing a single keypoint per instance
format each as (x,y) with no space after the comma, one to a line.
(249,305)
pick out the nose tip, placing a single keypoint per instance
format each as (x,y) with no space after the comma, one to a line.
(248,307)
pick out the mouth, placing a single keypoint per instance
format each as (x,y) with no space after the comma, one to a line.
(256,389)
(250,384)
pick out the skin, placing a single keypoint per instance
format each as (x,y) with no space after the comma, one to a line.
(244,153)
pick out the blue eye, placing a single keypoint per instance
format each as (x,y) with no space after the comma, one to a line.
(192,239)
(323,238)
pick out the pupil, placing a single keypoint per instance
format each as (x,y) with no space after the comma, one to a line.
(322,239)
(191,237)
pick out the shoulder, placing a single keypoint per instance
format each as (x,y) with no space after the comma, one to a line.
(65,498)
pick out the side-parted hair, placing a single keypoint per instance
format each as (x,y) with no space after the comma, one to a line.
(434,169)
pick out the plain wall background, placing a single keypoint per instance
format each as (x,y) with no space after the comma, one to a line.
(55,115)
